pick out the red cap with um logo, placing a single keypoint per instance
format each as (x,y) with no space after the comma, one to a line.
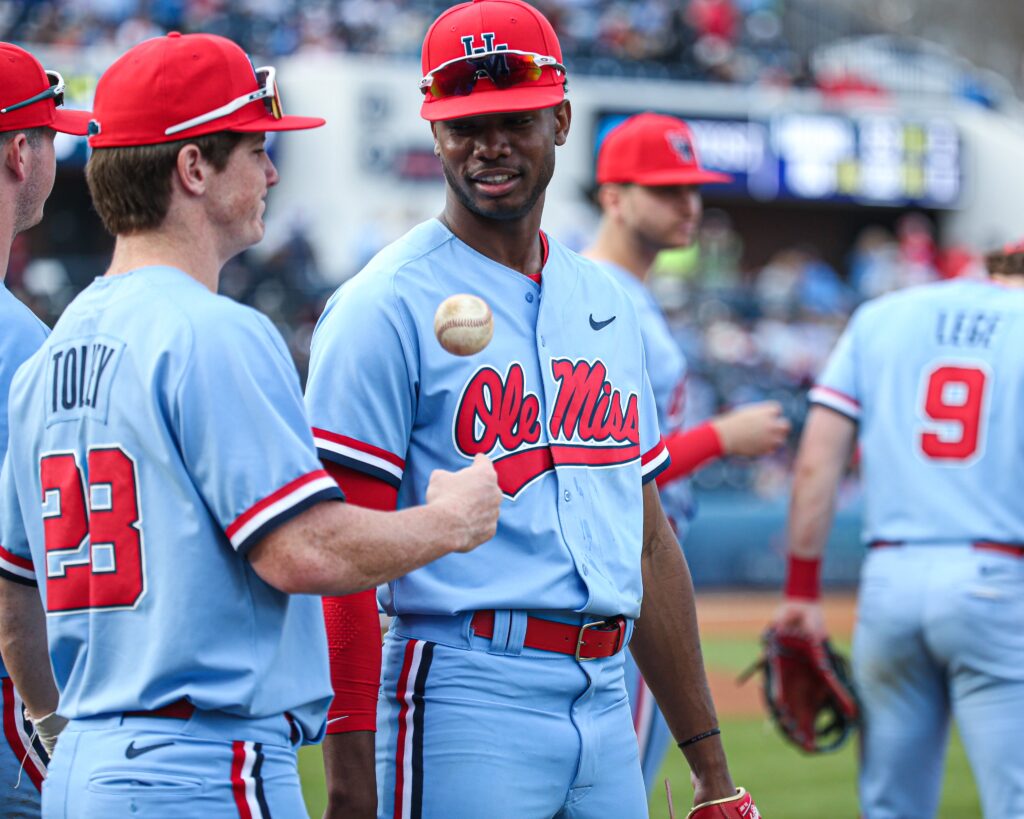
(485,27)
(652,149)
(22,78)
(183,86)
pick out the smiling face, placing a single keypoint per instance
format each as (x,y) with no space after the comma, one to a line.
(498,165)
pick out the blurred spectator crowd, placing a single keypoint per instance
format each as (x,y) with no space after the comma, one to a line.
(729,40)
(767,333)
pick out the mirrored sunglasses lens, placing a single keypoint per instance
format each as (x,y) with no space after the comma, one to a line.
(512,69)
(455,80)
(504,70)
(272,102)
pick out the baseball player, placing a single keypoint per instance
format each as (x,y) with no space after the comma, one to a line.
(648,177)
(502,689)
(31,113)
(161,488)
(928,382)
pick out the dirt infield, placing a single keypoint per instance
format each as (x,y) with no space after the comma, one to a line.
(743,615)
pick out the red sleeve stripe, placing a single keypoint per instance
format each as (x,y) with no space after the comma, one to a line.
(16,568)
(654,461)
(279,504)
(833,399)
(352,450)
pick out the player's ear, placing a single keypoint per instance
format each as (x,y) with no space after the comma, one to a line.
(563,118)
(437,145)
(192,169)
(609,197)
(14,156)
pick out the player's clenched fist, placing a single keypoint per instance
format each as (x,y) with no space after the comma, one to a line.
(752,430)
(473,497)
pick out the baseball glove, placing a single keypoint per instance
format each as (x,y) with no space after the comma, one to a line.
(740,806)
(807,689)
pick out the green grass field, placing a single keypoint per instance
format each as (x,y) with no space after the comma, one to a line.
(786,783)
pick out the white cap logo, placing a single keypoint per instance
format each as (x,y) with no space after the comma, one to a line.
(679,142)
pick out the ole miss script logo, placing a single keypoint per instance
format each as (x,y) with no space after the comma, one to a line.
(591,424)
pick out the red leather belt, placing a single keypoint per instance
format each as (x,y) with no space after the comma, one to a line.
(1013,549)
(179,709)
(602,638)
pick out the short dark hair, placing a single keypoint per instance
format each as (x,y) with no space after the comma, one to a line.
(33,135)
(1014,265)
(131,186)
(996,263)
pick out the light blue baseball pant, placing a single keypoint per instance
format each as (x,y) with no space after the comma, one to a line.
(940,633)
(22,761)
(471,727)
(212,766)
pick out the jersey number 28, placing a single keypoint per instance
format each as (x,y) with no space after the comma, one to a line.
(954,397)
(93,542)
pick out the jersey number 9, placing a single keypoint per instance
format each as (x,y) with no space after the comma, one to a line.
(954,398)
(93,541)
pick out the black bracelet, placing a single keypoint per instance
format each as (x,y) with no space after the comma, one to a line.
(713,732)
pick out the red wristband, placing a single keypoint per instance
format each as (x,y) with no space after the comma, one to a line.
(690,450)
(803,578)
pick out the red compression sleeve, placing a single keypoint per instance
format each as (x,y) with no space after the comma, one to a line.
(689,451)
(803,578)
(353,626)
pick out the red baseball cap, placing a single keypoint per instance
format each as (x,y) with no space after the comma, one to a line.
(486,27)
(652,149)
(25,78)
(182,86)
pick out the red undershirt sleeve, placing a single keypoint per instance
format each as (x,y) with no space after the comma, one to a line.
(689,451)
(353,625)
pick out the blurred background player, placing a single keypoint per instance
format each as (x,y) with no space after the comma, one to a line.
(162,488)
(928,382)
(31,112)
(648,177)
(502,690)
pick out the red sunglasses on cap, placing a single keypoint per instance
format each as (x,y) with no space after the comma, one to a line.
(505,68)
(266,78)
(56,91)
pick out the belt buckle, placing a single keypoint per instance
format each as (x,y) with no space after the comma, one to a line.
(582,634)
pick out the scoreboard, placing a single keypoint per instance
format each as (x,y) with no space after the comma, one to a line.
(875,159)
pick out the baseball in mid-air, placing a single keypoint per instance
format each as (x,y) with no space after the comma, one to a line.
(463,324)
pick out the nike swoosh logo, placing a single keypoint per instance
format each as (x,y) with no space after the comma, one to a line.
(131,751)
(600,325)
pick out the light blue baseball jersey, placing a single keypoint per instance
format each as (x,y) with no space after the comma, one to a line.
(666,369)
(155,437)
(666,364)
(926,373)
(22,335)
(559,400)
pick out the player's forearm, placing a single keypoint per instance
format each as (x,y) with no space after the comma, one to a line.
(666,646)
(350,774)
(811,510)
(337,549)
(24,648)
(821,460)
